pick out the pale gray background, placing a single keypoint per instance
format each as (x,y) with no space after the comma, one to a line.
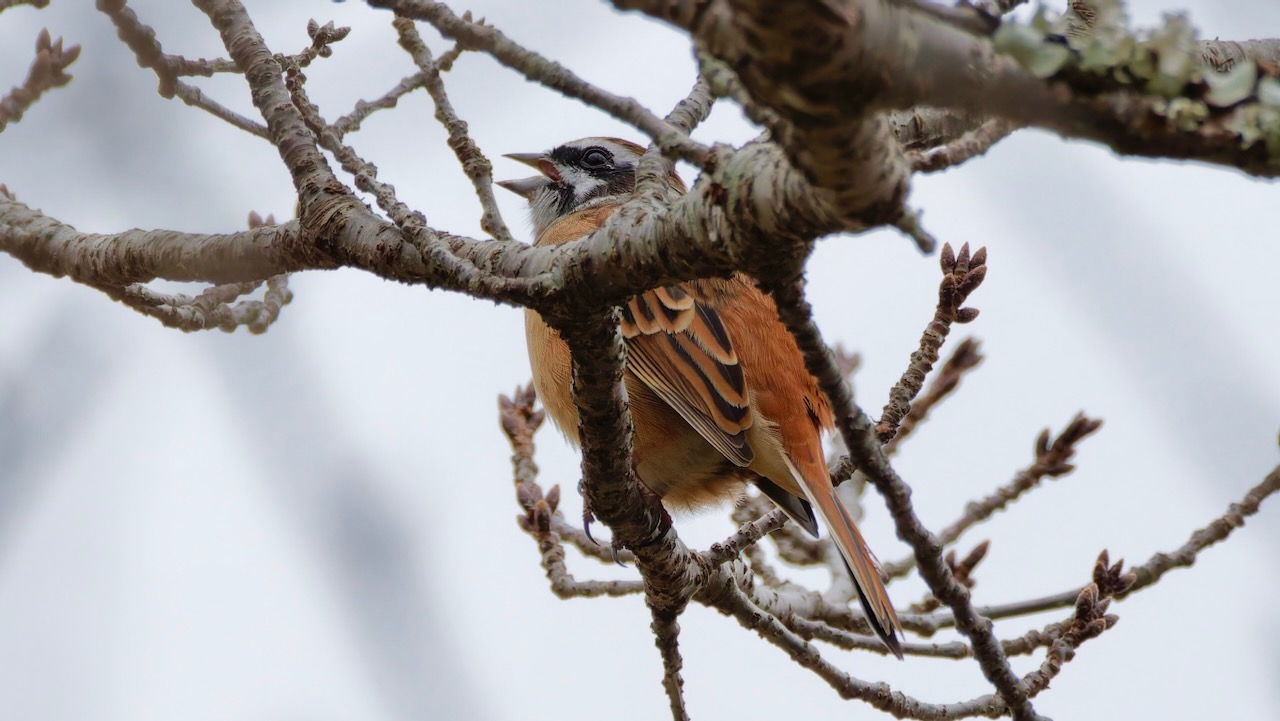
(318,523)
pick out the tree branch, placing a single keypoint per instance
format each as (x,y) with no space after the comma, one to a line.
(1145,575)
(1052,461)
(865,450)
(474,163)
(48,71)
(476,36)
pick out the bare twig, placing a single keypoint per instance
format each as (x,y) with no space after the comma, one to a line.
(575,536)
(1052,461)
(6,4)
(961,275)
(214,307)
(865,450)
(961,568)
(794,546)
(746,535)
(731,600)
(1023,645)
(193,96)
(654,168)
(1161,563)
(322,39)
(476,36)
(201,67)
(972,144)
(211,309)
(474,163)
(666,635)
(48,71)
(724,83)
(520,420)
(911,225)
(1145,575)
(141,39)
(966,356)
(351,122)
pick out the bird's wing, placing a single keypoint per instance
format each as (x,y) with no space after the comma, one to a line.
(679,347)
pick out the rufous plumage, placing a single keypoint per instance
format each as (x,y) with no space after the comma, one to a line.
(718,389)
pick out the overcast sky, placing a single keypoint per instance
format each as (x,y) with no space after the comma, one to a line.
(317,523)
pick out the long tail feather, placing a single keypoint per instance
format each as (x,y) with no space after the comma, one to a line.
(862,565)
(858,557)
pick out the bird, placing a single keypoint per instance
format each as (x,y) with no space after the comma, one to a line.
(718,389)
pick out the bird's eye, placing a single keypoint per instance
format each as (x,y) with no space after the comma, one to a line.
(595,158)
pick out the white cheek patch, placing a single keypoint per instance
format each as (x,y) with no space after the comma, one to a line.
(584,185)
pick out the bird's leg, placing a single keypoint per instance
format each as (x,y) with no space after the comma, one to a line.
(615,550)
(588,517)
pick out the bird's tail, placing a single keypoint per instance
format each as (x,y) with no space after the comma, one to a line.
(858,557)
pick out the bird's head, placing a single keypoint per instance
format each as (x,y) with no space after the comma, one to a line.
(576,175)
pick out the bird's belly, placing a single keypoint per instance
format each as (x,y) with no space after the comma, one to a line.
(671,458)
(674,461)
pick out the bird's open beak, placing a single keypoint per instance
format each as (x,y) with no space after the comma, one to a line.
(527,187)
(530,159)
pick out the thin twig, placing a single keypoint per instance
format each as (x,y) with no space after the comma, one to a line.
(520,420)
(6,4)
(48,71)
(1145,575)
(794,546)
(1023,645)
(724,83)
(141,39)
(971,145)
(474,163)
(654,169)
(351,122)
(213,308)
(587,546)
(555,76)
(193,96)
(865,450)
(966,356)
(1052,460)
(666,635)
(746,535)
(911,224)
(364,172)
(961,568)
(201,67)
(961,275)
(322,39)
(733,601)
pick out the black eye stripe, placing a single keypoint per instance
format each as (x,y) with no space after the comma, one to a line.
(591,157)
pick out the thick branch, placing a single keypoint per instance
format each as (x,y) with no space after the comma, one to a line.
(610,488)
(863,55)
(840,145)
